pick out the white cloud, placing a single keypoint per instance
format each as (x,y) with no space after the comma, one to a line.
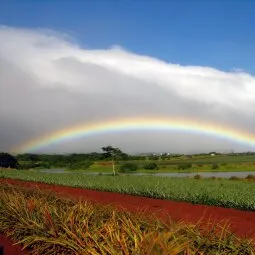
(48,82)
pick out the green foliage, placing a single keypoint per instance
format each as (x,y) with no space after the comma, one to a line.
(250,177)
(25,165)
(47,224)
(225,193)
(234,178)
(153,157)
(197,176)
(242,162)
(215,166)
(128,167)
(110,152)
(113,154)
(80,165)
(184,166)
(56,161)
(150,166)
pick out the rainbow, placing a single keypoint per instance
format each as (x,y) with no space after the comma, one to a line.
(135,124)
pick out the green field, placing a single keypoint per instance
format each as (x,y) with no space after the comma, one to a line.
(198,164)
(202,164)
(225,193)
(168,166)
(97,162)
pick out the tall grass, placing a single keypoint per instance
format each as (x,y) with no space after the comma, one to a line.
(225,193)
(46,224)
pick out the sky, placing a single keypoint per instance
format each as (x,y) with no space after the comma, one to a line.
(66,63)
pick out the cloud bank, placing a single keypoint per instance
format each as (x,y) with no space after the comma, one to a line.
(48,82)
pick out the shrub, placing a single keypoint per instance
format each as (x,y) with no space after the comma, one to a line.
(215,166)
(184,166)
(197,176)
(250,177)
(150,166)
(234,178)
(128,167)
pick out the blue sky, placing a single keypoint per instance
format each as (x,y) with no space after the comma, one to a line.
(207,33)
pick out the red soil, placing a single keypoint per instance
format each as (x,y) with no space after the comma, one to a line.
(9,248)
(241,223)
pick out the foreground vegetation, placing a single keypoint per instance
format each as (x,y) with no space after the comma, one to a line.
(48,225)
(225,193)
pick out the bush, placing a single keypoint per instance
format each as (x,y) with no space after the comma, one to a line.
(234,178)
(250,177)
(197,176)
(128,167)
(215,166)
(184,166)
(150,166)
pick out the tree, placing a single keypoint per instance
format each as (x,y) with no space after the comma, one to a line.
(114,154)
(8,161)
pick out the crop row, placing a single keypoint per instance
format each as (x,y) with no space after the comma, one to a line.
(224,193)
(49,225)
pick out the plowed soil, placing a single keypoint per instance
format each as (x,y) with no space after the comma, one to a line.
(241,223)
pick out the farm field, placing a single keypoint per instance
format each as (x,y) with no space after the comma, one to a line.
(45,223)
(174,166)
(188,202)
(224,193)
(183,163)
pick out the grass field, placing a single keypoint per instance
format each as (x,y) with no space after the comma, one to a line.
(198,163)
(215,159)
(224,163)
(48,225)
(166,166)
(225,193)
(173,166)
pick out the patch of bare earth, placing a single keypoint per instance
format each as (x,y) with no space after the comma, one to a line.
(242,223)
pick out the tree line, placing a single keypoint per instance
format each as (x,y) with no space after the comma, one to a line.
(75,161)
(71,161)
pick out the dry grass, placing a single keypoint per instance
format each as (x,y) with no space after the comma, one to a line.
(46,224)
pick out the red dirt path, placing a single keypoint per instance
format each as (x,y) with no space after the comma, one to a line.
(241,223)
